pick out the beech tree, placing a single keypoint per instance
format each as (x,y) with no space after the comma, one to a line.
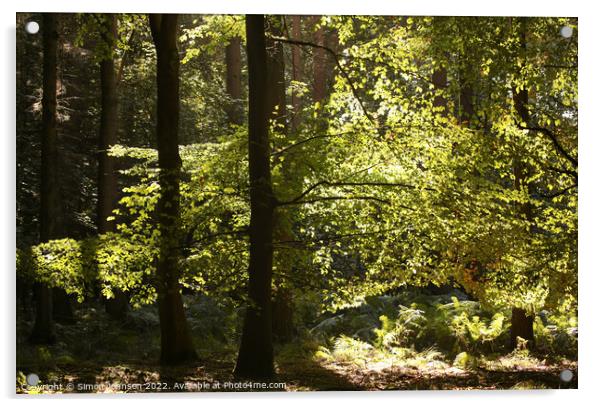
(255,357)
(49,205)
(176,342)
(107,176)
(234,81)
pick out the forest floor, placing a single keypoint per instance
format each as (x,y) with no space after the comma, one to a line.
(99,355)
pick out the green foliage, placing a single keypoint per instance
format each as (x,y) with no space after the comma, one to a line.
(64,263)
(473,333)
(386,184)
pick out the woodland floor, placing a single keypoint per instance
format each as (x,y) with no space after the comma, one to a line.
(117,357)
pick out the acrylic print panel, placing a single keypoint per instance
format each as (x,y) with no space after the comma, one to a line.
(283,203)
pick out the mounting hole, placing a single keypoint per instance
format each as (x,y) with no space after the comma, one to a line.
(32,379)
(566,375)
(32,27)
(566,31)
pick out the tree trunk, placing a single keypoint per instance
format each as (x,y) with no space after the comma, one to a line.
(319,64)
(282,319)
(117,306)
(176,341)
(255,357)
(282,305)
(297,70)
(233,82)
(439,80)
(276,88)
(466,107)
(107,182)
(62,309)
(522,323)
(43,330)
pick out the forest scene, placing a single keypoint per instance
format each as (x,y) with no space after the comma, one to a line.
(295,203)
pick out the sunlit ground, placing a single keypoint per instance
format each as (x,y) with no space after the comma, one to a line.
(100,355)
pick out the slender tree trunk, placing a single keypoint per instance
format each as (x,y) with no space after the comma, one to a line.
(522,322)
(255,357)
(117,306)
(319,63)
(176,340)
(439,80)
(282,315)
(107,181)
(233,81)
(466,114)
(43,330)
(439,76)
(297,69)
(276,88)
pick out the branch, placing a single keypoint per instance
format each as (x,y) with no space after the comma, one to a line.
(122,61)
(298,199)
(564,171)
(554,140)
(336,198)
(561,192)
(285,149)
(332,238)
(191,243)
(336,59)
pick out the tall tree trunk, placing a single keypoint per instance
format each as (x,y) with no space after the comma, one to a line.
(439,80)
(176,340)
(297,71)
(439,76)
(319,63)
(282,310)
(466,107)
(255,357)
(522,322)
(117,306)
(233,81)
(276,87)
(43,330)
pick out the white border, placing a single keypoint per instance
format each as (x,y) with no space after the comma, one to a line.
(590,203)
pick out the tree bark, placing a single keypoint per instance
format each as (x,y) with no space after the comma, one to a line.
(466,114)
(107,181)
(521,325)
(276,88)
(319,64)
(233,81)
(282,319)
(282,315)
(439,80)
(117,306)
(439,76)
(176,340)
(43,330)
(522,322)
(62,308)
(297,71)
(255,357)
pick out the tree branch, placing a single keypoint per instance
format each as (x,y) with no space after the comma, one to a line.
(337,61)
(298,199)
(335,198)
(554,140)
(300,142)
